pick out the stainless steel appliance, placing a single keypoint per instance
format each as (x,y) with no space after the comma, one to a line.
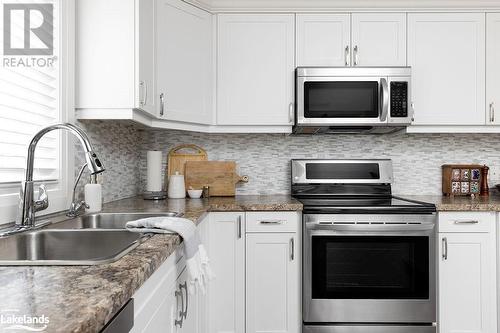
(368,256)
(352,100)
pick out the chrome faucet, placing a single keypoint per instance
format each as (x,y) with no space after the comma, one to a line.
(28,206)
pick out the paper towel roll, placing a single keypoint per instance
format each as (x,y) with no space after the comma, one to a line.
(154,171)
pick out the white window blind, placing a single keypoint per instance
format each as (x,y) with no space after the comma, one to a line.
(30,100)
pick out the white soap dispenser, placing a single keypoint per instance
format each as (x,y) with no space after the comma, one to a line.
(93,195)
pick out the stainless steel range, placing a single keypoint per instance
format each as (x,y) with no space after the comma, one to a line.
(369,257)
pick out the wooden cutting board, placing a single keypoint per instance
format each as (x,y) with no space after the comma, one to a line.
(178,156)
(221,176)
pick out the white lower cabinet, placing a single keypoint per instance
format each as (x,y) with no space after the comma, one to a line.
(467,272)
(257,284)
(226,293)
(163,304)
(157,304)
(272,285)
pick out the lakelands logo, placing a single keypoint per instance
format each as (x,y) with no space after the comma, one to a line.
(16,322)
(28,35)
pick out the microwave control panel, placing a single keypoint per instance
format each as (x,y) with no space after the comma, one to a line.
(399,99)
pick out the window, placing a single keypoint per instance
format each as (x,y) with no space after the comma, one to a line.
(33,95)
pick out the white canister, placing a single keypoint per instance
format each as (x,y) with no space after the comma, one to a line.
(176,186)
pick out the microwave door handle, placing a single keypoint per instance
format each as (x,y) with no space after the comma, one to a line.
(384,99)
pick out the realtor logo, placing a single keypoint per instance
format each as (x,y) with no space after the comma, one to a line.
(28,29)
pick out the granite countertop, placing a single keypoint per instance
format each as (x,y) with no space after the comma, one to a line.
(459,203)
(85,298)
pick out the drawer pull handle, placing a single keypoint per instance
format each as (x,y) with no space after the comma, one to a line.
(272,221)
(292,249)
(466,222)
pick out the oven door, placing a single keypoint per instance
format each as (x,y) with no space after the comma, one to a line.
(323,101)
(369,273)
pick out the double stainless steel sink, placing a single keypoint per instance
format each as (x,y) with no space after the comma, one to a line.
(85,240)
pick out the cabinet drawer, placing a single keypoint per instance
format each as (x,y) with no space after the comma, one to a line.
(272,221)
(467,222)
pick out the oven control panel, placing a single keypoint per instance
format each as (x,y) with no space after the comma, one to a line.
(399,99)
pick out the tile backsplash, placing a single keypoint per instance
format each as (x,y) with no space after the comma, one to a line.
(119,147)
(265,158)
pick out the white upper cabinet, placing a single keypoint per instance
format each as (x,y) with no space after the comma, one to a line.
(145,30)
(379,39)
(115,55)
(447,54)
(363,39)
(255,69)
(492,68)
(323,39)
(184,63)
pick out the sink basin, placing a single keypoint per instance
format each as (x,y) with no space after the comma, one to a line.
(68,247)
(106,220)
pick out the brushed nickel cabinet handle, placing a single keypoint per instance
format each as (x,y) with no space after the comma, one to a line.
(290,113)
(356,60)
(142,89)
(184,286)
(162,103)
(445,248)
(178,322)
(492,112)
(145,93)
(272,221)
(346,55)
(239,227)
(466,222)
(292,249)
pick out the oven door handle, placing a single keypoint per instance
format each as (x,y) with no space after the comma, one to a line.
(384,99)
(371,228)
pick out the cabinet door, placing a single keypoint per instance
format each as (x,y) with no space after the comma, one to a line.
(492,68)
(467,283)
(379,39)
(164,316)
(323,40)
(157,303)
(255,72)
(447,54)
(272,283)
(145,98)
(226,293)
(184,62)
(105,54)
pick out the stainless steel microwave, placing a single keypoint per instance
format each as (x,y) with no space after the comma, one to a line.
(352,100)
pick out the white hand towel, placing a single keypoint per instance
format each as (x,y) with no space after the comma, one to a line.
(197,262)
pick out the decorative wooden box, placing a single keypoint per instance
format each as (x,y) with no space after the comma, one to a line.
(463,179)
